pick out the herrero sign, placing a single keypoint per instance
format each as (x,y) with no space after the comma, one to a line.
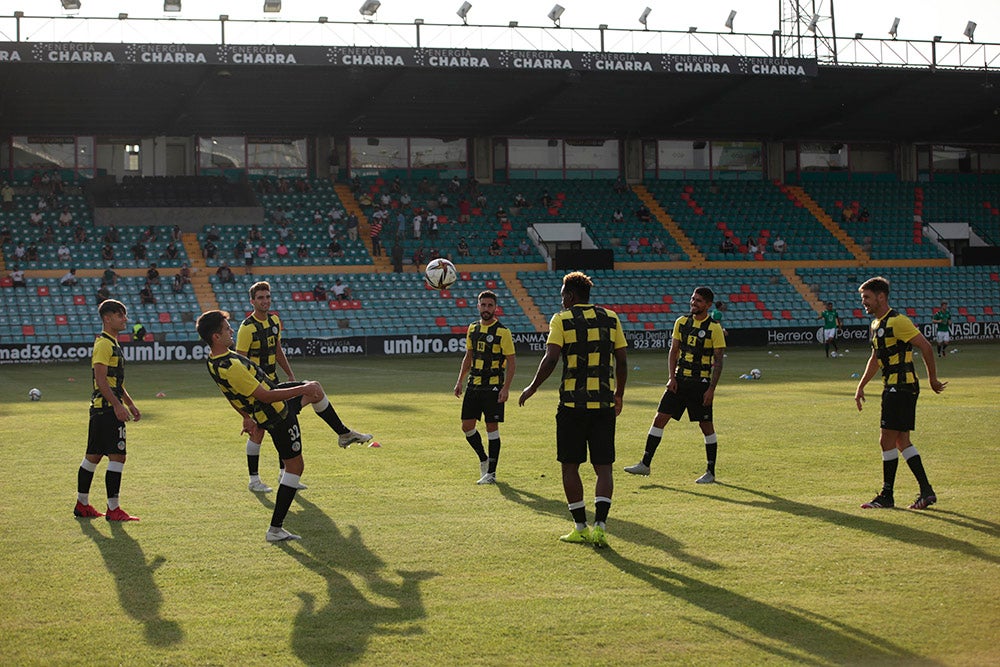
(374,56)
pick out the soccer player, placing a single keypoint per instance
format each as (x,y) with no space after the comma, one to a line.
(694,367)
(259,339)
(893,338)
(489,363)
(831,324)
(595,367)
(110,407)
(266,405)
(942,318)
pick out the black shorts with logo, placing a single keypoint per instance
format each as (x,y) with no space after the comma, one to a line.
(899,410)
(482,402)
(579,429)
(106,433)
(286,434)
(690,396)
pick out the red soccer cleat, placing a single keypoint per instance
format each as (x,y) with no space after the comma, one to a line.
(85,511)
(118,514)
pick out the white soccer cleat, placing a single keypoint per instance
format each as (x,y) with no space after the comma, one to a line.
(488,478)
(707,478)
(258,486)
(484,467)
(352,436)
(639,468)
(280,535)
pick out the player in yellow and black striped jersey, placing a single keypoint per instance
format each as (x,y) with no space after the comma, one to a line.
(490,363)
(893,338)
(259,339)
(592,345)
(694,368)
(265,404)
(110,407)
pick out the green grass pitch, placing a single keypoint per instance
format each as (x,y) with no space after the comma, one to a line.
(406,561)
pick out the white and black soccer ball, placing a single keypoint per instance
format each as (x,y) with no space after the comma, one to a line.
(440,273)
(34,394)
(755,373)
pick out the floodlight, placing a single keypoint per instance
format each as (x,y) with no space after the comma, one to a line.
(463,12)
(272,6)
(644,16)
(812,24)
(512,24)
(602,26)
(323,19)
(731,20)
(370,7)
(223,17)
(122,16)
(418,21)
(937,38)
(693,28)
(171,5)
(71,5)
(894,28)
(970,29)
(556,13)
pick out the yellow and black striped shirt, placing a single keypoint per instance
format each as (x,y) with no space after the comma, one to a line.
(238,378)
(491,345)
(261,339)
(698,341)
(107,351)
(890,337)
(588,336)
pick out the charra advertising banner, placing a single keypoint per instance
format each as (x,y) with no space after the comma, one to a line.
(375,56)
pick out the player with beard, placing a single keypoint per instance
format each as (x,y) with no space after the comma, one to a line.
(489,363)
(694,369)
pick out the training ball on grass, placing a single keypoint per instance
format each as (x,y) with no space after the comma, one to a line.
(34,394)
(755,373)
(440,273)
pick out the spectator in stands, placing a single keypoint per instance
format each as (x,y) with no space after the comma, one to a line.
(432,225)
(501,214)
(736,243)
(863,216)
(65,217)
(239,248)
(397,185)
(79,234)
(103,293)
(463,247)
(385,200)
(139,251)
(63,253)
(153,274)
(397,257)
(210,250)
(341,291)
(433,254)
(255,234)
(375,231)
(365,199)
(48,235)
(111,236)
(454,185)
(31,254)
(642,213)
(278,216)
(248,252)
(262,252)
(36,217)
(418,257)
(57,182)
(185,273)
(7,194)
(847,215)
(425,187)
(405,199)
(146,295)
(17,277)
(334,249)
(495,248)
(620,186)
(633,246)
(224,273)
(302,252)
(400,225)
(618,217)
(464,210)
(443,201)
(5,235)
(107,252)
(752,248)
(657,245)
(109,277)
(175,233)
(520,201)
(303,185)
(20,252)
(319,291)
(212,234)
(779,244)
(281,250)
(523,248)
(417,222)
(177,286)
(352,227)
(170,252)
(149,235)
(481,200)
(547,200)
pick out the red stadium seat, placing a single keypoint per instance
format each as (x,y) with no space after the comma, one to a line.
(441,321)
(334,304)
(857,313)
(491,284)
(62,319)
(668,298)
(786,315)
(307,296)
(296,296)
(912,312)
(465,275)
(461,303)
(79,300)
(988,310)
(164,318)
(445,294)
(649,326)
(43,290)
(499,311)
(962,310)
(459,330)
(632,317)
(355,304)
(6,282)
(970,318)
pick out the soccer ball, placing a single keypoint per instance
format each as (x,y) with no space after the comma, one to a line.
(34,394)
(755,373)
(440,273)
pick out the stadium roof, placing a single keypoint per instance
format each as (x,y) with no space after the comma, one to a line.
(838,103)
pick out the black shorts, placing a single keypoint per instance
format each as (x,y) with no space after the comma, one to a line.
(578,430)
(286,435)
(690,396)
(899,410)
(106,433)
(478,402)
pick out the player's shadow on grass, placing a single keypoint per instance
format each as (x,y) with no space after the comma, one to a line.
(789,634)
(868,523)
(138,593)
(620,529)
(337,630)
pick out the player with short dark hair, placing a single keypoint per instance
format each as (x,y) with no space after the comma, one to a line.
(489,362)
(110,407)
(942,318)
(893,338)
(592,345)
(831,325)
(266,405)
(694,367)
